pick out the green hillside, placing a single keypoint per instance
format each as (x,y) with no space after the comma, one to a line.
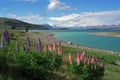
(7,23)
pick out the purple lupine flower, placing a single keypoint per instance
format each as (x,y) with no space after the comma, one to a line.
(28,43)
(38,45)
(17,46)
(26,48)
(6,36)
(2,42)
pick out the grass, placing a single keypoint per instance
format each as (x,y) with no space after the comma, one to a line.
(112,71)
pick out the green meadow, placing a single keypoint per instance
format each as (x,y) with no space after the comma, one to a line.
(39,65)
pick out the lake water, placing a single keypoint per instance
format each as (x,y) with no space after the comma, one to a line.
(82,37)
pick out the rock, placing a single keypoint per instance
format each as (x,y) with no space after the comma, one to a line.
(69,43)
(117,63)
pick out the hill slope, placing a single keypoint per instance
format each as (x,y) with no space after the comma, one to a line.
(7,23)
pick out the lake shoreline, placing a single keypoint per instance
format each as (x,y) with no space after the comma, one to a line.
(49,37)
(109,34)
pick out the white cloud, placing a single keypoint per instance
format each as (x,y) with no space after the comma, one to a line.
(57,4)
(89,18)
(35,19)
(32,1)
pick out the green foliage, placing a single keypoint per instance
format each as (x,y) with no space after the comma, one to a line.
(86,73)
(13,27)
(26,28)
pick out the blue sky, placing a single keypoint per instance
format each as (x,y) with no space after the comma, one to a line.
(64,13)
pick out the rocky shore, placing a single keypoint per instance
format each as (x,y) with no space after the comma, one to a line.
(49,37)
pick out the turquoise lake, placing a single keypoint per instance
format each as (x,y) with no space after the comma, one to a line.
(82,37)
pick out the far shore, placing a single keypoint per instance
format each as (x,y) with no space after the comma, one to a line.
(111,34)
(49,37)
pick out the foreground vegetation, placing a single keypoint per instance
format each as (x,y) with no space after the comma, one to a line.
(19,62)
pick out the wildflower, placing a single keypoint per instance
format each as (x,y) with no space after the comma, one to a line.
(59,50)
(54,57)
(54,45)
(45,47)
(50,47)
(78,59)
(38,45)
(92,60)
(17,46)
(6,36)
(28,41)
(70,58)
(2,42)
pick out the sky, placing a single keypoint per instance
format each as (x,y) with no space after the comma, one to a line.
(63,13)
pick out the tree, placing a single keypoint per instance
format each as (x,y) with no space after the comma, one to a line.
(26,28)
(13,27)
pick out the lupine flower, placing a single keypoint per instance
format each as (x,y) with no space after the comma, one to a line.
(45,47)
(70,58)
(78,59)
(85,60)
(103,64)
(38,45)
(92,60)
(54,57)
(83,54)
(81,57)
(17,46)
(88,61)
(2,42)
(59,50)
(28,42)
(50,47)
(54,45)
(26,48)
(6,36)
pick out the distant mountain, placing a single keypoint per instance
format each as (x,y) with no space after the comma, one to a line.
(7,23)
(97,27)
(47,26)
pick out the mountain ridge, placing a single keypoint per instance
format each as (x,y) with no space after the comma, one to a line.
(7,23)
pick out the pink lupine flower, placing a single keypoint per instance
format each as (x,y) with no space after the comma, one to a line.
(54,45)
(70,58)
(78,59)
(54,57)
(81,57)
(85,60)
(88,61)
(50,47)
(59,50)
(45,47)
(83,54)
(92,60)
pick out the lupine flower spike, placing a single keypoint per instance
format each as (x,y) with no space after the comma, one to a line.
(6,36)
(54,45)
(59,50)
(45,47)
(27,47)
(38,45)
(70,58)
(17,46)
(50,47)
(2,43)
(78,59)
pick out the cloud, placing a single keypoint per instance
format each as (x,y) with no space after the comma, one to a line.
(89,18)
(34,19)
(32,1)
(56,4)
